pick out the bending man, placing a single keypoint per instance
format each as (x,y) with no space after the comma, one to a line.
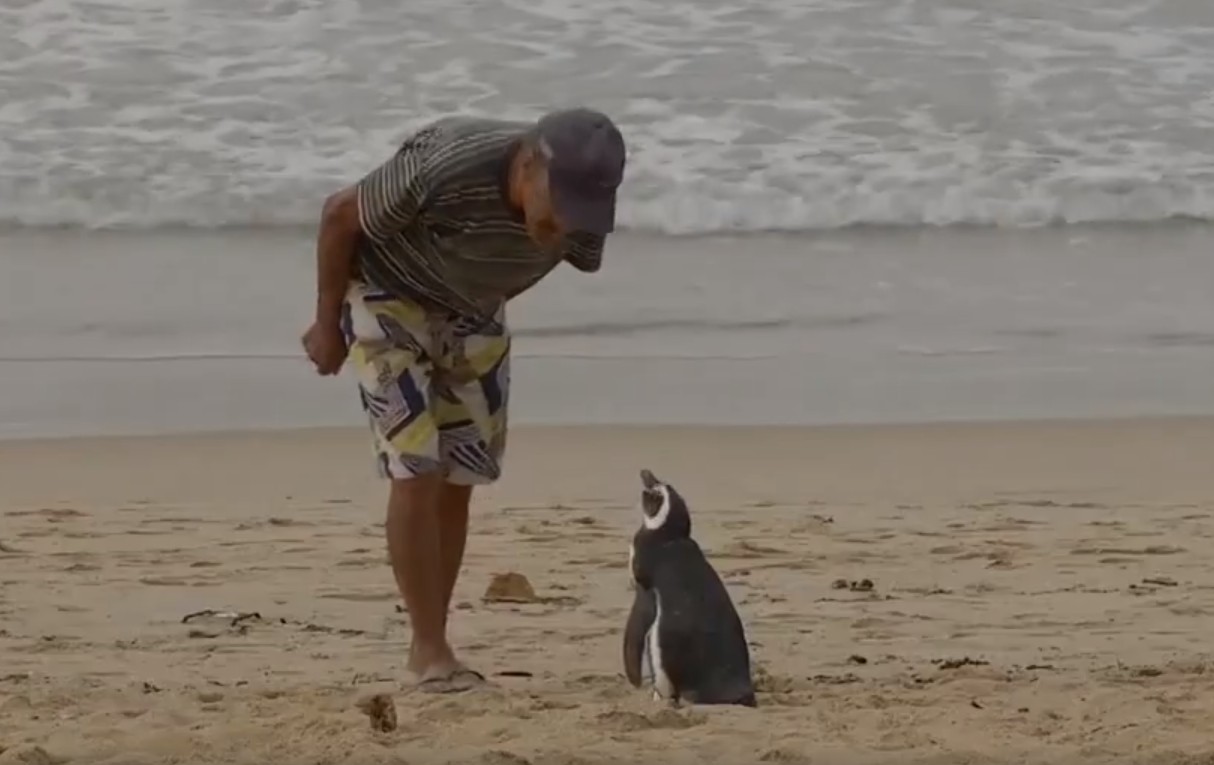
(415,263)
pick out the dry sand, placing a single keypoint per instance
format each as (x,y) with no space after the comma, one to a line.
(1042,593)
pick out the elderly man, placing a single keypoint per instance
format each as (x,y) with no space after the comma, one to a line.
(415,264)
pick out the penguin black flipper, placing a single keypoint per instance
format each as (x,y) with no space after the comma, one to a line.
(635,633)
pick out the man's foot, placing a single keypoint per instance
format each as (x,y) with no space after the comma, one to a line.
(427,661)
(438,671)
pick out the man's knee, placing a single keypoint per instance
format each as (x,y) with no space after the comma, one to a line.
(432,490)
(419,493)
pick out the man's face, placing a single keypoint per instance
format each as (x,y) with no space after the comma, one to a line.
(543,223)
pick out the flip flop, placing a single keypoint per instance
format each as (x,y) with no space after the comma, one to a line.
(457,682)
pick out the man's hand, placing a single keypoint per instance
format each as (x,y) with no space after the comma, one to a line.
(326,347)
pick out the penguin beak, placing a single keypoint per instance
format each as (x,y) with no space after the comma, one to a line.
(649,480)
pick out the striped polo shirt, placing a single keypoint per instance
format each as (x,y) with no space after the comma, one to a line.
(437,228)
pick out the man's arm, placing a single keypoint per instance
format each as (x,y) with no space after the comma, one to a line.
(585,251)
(378,206)
(335,244)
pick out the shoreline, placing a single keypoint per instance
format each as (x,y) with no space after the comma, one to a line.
(773,329)
(863,428)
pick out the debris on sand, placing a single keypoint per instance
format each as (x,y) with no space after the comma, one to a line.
(964,661)
(380,710)
(864,585)
(1159,581)
(510,587)
(234,618)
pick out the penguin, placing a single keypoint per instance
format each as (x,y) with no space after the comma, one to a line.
(683,637)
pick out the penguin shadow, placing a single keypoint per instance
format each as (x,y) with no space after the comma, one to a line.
(683,638)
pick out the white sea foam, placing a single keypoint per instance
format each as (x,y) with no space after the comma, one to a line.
(745,115)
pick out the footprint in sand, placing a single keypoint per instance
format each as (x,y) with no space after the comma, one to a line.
(746,549)
(29,755)
(785,756)
(1011,524)
(163,581)
(1148,550)
(363,562)
(617,562)
(51,513)
(663,719)
(362,597)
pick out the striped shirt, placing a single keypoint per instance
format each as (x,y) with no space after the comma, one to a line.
(437,228)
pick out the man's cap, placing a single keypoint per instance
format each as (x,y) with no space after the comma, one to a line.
(586,156)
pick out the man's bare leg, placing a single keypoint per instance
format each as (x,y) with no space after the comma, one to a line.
(453,501)
(415,546)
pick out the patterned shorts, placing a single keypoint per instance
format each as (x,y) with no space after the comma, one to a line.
(434,389)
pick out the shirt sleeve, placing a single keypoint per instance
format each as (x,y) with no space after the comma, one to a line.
(585,251)
(390,195)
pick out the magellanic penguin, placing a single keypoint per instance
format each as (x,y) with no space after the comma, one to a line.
(683,636)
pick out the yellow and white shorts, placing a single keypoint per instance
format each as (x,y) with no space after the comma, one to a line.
(435,389)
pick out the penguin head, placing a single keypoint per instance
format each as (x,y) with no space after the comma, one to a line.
(663,510)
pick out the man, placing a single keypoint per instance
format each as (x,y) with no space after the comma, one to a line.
(415,264)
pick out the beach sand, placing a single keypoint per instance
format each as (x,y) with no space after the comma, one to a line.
(1041,593)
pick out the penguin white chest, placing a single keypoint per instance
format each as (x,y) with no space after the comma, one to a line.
(651,662)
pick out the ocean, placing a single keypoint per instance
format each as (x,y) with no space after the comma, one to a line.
(834,211)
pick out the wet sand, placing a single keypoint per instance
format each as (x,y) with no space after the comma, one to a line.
(119,333)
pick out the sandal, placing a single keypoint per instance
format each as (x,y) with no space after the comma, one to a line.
(457,682)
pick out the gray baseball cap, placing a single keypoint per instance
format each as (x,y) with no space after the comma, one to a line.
(586,156)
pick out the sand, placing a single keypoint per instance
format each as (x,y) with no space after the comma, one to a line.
(1042,592)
